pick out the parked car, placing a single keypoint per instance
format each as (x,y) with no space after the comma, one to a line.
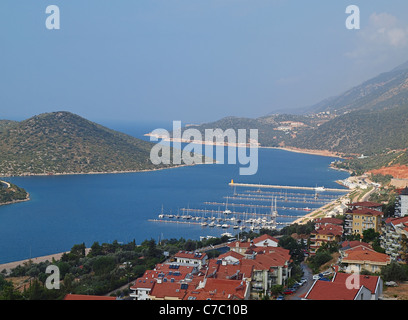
(280,298)
(289,291)
(317,276)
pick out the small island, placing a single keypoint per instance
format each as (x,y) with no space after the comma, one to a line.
(10,193)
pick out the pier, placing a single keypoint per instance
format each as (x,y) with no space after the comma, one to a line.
(256,206)
(262,216)
(269,186)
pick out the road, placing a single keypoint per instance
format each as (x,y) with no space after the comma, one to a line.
(307,274)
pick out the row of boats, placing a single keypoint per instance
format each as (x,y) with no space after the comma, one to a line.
(228,219)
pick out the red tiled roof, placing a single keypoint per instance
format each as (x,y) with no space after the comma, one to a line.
(269,258)
(366,211)
(190,255)
(359,254)
(86,297)
(233,254)
(355,243)
(329,221)
(366,204)
(226,287)
(370,282)
(143,282)
(168,289)
(329,230)
(327,290)
(397,221)
(240,244)
(263,238)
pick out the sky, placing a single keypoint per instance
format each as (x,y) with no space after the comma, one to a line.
(190,60)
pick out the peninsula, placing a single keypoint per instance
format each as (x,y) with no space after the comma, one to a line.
(65,143)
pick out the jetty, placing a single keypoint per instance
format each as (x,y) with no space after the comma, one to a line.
(270,186)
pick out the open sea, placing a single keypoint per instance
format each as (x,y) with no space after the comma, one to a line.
(72,209)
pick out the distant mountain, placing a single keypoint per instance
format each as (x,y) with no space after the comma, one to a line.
(62,142)
(389,89)
(369,119)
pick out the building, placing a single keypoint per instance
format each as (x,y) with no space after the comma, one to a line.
(401,205)
(324,234)
(193,258)
(142,288)
(168,291)
(265,241)
(372,283)
(87,297)
(346,287)
(365,205)
(252,266)
(220,289)
(366,218)
(162,273)
(270,267)
(323,222)
(362,258)
(394,236)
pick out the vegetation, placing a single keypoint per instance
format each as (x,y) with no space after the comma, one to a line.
(323,255)
(369,119)
(104,269)
(11,194)
(62,142)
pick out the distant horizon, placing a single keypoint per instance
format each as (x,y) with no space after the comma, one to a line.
(191,61)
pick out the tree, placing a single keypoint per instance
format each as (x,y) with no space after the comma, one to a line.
(96,250)
(295,249)
(394,272)
(370,235)
(103,265)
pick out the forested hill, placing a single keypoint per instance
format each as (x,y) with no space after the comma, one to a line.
(62,142)
(369,119)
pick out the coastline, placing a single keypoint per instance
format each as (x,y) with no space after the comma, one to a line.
(325,153)
(8,266)
(91,173)
(7,184)
(16,201)
(316,213)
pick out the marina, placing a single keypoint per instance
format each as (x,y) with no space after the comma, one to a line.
(257,216)
(119,206)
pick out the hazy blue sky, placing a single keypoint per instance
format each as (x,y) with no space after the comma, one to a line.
(190,60)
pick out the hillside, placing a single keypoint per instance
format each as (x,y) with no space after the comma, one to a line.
(360,132)
(62,142)
(369,119)
(387,90)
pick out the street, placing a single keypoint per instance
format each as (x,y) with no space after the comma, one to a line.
(307,274)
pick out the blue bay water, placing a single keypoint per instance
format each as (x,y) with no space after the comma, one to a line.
(72,209)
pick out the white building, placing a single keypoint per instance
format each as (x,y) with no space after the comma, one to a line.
(401,207)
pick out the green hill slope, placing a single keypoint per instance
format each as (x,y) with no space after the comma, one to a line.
(62,142)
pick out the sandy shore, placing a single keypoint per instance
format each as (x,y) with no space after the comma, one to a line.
(12,265)
(56,256)
(324,153)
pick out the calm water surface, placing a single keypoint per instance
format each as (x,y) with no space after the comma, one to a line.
(67,210)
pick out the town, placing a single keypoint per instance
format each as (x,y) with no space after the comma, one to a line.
(358,255)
